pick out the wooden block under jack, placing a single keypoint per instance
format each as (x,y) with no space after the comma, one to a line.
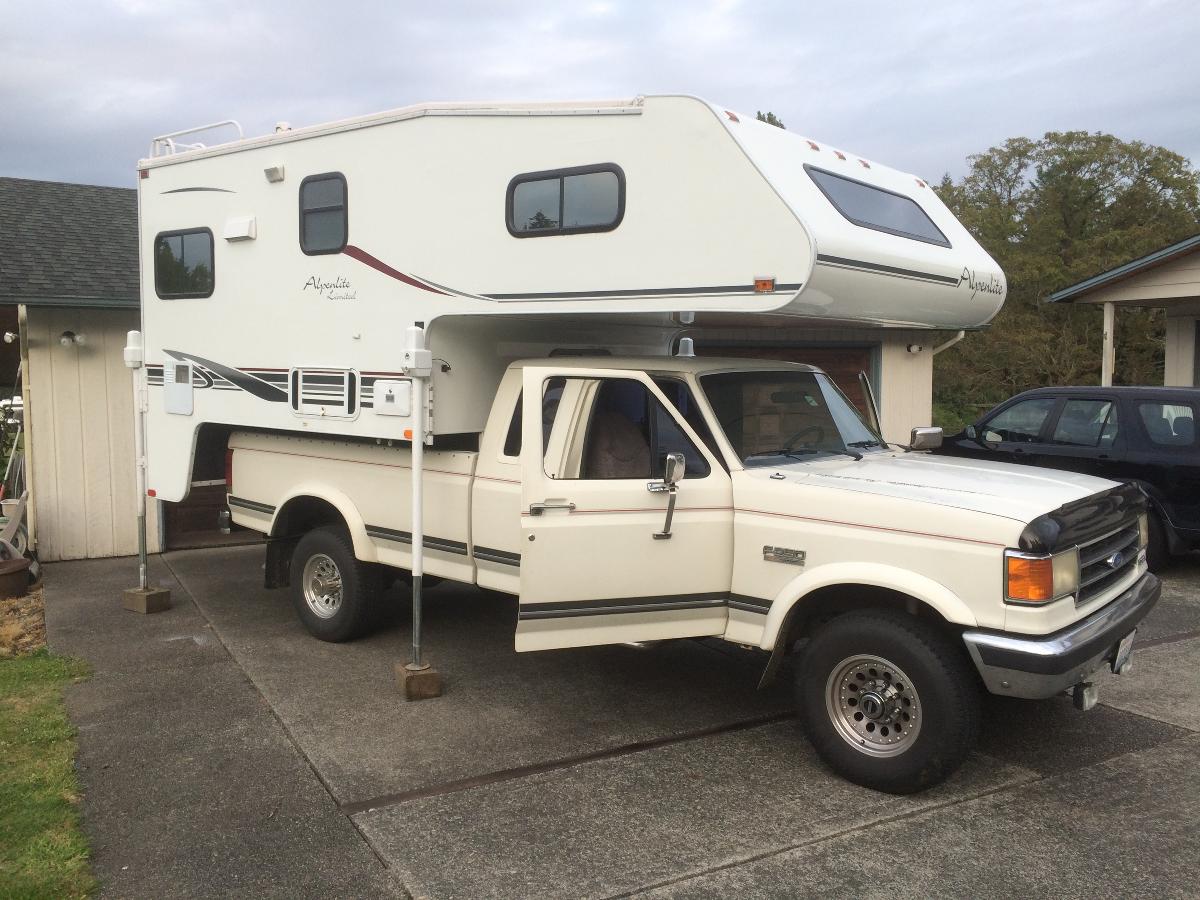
(147,600)
(422,683)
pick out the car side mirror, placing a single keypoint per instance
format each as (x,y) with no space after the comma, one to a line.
(972,432)
(674,468)
(925,439)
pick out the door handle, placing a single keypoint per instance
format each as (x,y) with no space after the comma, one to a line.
(536,509)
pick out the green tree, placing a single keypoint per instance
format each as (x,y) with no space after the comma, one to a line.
(771,119)
(1053,212)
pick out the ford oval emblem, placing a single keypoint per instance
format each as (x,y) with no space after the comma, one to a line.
(1115,561)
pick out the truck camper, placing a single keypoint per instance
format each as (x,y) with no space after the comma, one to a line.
(503,298)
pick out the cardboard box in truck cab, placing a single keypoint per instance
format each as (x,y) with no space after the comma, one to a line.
(577,456)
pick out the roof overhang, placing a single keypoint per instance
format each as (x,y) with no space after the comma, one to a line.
(1079,292)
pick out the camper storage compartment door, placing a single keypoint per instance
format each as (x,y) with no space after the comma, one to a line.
(177,386)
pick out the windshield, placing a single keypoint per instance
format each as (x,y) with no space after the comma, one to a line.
(788,413)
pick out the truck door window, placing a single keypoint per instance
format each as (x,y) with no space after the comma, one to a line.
(628,433)
(685,404)
(1086,423)
(1022,422)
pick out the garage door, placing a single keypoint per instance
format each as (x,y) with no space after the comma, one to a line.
(842,363)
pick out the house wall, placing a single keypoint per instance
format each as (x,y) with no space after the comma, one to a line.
(79,413)
(1182,359)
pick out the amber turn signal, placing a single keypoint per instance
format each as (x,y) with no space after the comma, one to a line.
(1030,580)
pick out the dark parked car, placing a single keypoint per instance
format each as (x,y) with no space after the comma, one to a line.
(1144,435)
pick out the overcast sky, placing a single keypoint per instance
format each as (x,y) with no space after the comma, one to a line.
(84,85)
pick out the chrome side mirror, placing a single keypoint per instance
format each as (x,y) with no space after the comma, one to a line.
(674,468)
(925,439)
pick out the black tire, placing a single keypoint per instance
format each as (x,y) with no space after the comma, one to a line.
(330,553)
(942,695)
(1158,551)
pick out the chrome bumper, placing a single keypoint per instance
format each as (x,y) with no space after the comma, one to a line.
(1037,667)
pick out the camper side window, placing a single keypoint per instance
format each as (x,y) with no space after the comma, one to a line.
(566,201)
(873,207)
(323,219)
(183,264)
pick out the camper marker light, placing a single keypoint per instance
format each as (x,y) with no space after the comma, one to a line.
(814,145)
(732,116)
(764,285)
(151,492)
(839,154)
(143,173)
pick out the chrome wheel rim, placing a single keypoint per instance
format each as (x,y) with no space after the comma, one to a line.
(322,586)
(873,705)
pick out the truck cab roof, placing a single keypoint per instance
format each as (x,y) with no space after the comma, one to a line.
(683,365)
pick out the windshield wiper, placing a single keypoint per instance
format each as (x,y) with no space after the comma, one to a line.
(868,443)
(796,453)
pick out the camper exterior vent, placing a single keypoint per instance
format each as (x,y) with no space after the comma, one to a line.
(324,392)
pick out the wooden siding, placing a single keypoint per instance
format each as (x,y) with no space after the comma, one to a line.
(1159,286)
(1183,358)
(80,415)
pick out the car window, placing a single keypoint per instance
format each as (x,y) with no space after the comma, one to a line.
(1169,424)
(1086,423)
(1022,422)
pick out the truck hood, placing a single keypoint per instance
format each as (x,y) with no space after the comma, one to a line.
(1012,491)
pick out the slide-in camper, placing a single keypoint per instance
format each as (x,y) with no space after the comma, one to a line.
(505,297)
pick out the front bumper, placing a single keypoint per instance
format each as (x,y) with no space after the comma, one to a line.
(1042,666)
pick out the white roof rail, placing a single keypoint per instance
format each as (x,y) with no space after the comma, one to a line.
(166,144)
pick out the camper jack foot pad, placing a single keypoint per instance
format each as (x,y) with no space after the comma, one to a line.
(147,600)
(422,683)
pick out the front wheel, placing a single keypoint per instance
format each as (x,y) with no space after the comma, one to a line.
(887,701)
(332,591)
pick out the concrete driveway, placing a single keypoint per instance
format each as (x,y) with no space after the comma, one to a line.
(222,750)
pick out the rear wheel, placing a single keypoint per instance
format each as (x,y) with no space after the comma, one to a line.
(332,591)
(887,701)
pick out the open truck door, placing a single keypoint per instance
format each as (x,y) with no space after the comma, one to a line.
(626,515)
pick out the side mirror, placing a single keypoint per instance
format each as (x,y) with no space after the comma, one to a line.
(925,439)
(972,432)
(674,468)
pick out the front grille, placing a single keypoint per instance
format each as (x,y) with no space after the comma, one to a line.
(1097,572)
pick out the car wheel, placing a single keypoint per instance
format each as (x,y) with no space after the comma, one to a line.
(1158,553)
(332,591)
(887,701)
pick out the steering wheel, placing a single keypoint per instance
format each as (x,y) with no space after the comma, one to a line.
(818,430)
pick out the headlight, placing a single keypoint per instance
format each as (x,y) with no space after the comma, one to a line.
(1037,578)
(1143,530)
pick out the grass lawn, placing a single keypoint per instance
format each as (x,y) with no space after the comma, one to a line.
(43,852)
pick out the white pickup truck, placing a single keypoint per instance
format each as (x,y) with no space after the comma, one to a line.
(655,498)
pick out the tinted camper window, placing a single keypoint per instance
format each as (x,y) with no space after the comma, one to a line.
(566,201)
(873,207)
(323,220)
(183,264)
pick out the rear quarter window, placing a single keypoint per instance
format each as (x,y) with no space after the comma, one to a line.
(1168,425)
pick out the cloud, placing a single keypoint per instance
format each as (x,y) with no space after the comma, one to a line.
(83,87)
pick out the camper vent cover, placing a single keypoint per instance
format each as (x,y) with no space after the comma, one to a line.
(324,392)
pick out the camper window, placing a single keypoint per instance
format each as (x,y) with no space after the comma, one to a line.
(566,201)
(875,208)
(323,225)
(183,264)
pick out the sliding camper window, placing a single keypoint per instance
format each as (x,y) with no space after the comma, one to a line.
(323,220)
(875,208)
(183,264)
(566,201)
